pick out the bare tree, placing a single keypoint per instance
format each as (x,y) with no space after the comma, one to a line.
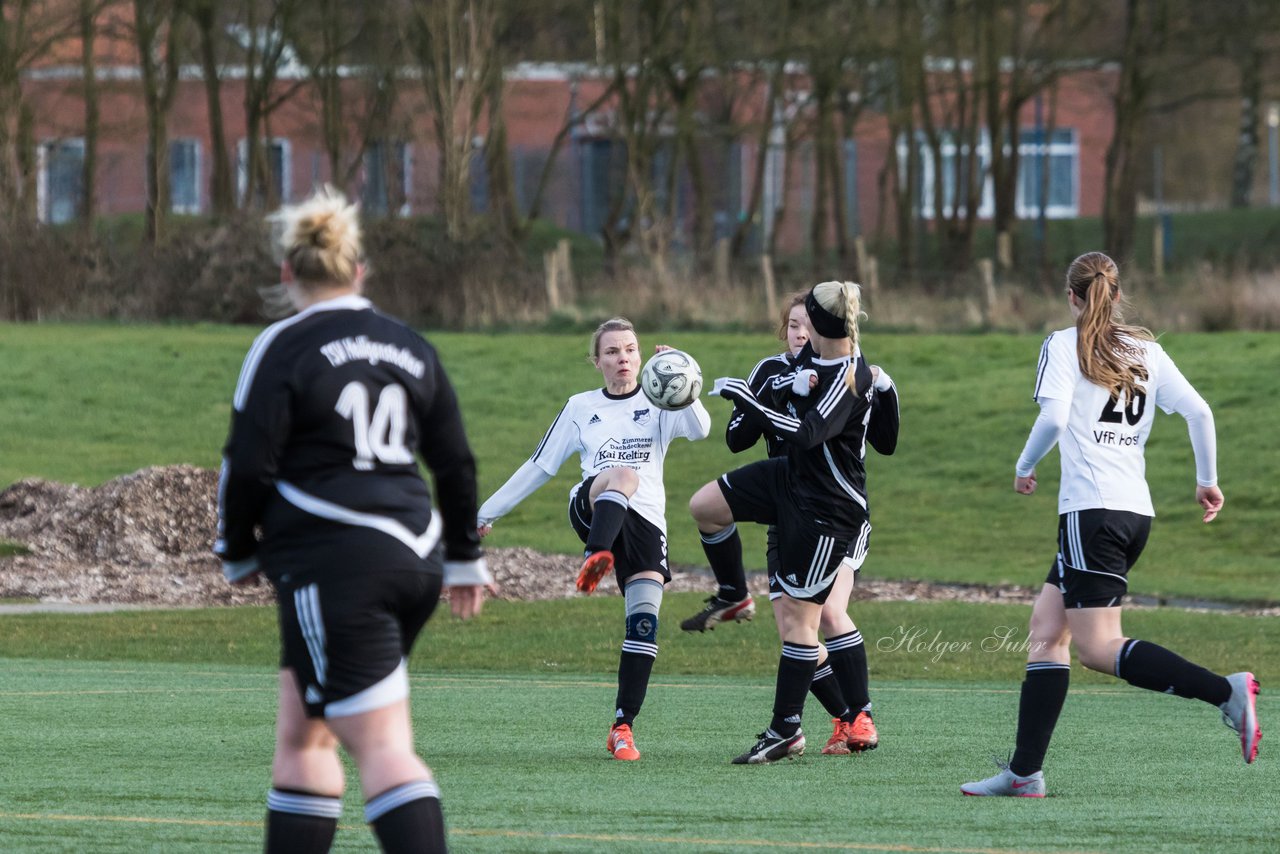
(88,15)
(266,54)
(28,29)
(453,43)
(207,15)
(155,26)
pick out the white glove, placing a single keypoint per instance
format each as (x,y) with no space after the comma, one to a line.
(719,384)
(883,382)
(238,571)
(800,383)
(464,573)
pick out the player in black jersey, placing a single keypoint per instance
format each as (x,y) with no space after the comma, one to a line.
(330,409)
(841,681)
(815,495)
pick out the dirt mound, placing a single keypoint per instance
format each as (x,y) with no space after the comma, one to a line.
(146,538)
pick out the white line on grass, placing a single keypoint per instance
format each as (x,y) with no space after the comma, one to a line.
(698,843)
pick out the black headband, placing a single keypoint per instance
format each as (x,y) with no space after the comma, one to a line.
(824,322)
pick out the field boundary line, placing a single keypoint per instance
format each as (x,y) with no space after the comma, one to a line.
(695,842)
(699,843)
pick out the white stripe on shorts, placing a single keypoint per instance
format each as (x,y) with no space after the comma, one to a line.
(306,601)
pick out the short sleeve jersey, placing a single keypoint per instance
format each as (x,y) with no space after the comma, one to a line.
(1102,446)
(608,430)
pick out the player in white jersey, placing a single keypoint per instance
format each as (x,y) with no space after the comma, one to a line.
(618,508)
(1098,385)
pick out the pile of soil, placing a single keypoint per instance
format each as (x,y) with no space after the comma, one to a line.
(146,539)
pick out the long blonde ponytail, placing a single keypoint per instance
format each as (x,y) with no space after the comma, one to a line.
(1106,347)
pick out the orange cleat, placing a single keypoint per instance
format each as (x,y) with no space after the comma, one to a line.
(595,567)
(621,743)
(838,745)
(861,734)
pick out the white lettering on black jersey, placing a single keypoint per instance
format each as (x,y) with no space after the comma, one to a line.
(330,408)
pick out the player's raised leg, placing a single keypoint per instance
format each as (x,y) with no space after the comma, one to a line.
(723,548)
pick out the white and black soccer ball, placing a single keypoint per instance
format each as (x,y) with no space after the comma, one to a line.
(671,380)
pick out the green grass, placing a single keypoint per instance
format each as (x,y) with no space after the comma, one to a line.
(521,763)
(943,507)
(906,640)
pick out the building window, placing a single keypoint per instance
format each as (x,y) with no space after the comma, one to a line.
(1058,155)
(279,163)
(955,175)
(184,176)
(387,177)
(60,184)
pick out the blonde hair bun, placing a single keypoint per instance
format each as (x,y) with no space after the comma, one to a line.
(321,238)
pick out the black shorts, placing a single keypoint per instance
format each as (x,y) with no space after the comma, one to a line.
(855,555)
(809,550)
(346,631)
(640,547)
(1096,549)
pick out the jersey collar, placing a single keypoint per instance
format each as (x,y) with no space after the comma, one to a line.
(349,302)
(626,396)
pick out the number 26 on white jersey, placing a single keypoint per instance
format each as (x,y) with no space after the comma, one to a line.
(379,436)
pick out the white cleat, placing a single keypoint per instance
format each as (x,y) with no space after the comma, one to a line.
(1240,713)
(1007,784)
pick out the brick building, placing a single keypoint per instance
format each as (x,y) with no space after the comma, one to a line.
(396,173)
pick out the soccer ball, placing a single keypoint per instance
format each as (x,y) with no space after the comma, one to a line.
(671,380)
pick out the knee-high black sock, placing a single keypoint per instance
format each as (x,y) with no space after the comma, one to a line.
(1151,666)
(300,822)
(848,658)
(724,553)
(796,667)
(1044,690)
(827,691)
(408,818)
(607,515)
(634,668)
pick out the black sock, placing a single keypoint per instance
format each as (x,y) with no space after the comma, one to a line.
(607,515)
(300,822)
(1044,690)
(633,683)
(847,655)
(796,667)
(724,553)
(408,818)
(827,691)
(1151,666)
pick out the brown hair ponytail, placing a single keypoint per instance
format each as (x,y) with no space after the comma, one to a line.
(1106,347)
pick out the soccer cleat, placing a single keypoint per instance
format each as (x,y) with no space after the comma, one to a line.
(771,748)
(1240,712)
(622,744)
(595,567)
(861,734)
(838,744)
(1007,784)
(717,610)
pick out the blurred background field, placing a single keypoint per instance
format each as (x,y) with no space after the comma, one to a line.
(85,403)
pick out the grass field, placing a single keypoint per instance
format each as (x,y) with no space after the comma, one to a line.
(943,507)
(152,730)
(521,763)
